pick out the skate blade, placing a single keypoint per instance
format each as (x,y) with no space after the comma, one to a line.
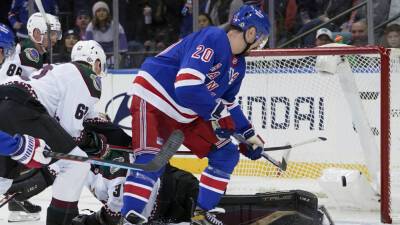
(20,216)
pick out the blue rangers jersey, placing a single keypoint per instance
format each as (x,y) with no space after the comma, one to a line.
(187,79)
(8,143)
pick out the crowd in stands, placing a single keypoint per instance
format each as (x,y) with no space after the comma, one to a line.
(149,26)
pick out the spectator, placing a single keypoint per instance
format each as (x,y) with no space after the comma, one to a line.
(82,20)
(101,29)
(19,14)
(70,38)
(359,35)
(392,36)
(324,36)
(204,20)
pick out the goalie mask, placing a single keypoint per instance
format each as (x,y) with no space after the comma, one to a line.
(36,21)
(89,51)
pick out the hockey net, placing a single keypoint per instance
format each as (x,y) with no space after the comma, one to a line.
(349,95)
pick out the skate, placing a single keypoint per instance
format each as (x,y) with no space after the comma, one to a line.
(23,211)
(202,217)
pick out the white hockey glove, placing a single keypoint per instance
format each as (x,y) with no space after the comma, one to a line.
(252,138)
(30,152)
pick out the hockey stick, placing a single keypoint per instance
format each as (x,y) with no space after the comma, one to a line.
(312,140)
(267,149)
(172,144)
(6,198)
(282,165)
(41,10)
(285,158)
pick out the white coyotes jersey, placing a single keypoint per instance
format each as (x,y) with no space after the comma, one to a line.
(12,65)
(107,191)
(110,192)
(68,91)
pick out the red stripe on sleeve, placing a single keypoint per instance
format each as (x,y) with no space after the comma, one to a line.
(186,76)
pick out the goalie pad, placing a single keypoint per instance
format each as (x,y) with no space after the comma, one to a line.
(176,198)
(272,208)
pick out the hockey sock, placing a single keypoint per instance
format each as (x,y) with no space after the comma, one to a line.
(61,212)
(213,183)
(138,187)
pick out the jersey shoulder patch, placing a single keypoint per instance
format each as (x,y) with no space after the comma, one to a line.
(91,80)
(30,56)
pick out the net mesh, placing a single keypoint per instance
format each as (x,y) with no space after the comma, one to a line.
(295,98)
(295,102)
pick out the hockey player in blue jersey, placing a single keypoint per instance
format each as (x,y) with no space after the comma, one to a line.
(24,149)
(192,86)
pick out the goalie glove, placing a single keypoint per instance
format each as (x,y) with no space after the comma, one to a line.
(30,151)
(222,122)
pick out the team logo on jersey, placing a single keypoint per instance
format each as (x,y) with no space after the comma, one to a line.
(234,61)
(96,81)
(32,54)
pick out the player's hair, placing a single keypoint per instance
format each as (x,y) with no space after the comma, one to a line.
(233,27)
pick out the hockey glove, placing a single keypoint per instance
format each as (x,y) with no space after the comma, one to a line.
(30,151)
(95,144)
(222,121)
(250,152)
(252,138)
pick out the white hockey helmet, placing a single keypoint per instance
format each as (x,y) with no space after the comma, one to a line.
(36,21)
(89,51)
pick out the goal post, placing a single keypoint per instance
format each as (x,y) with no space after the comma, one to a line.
(289,98)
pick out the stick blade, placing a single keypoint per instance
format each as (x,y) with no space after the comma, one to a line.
(285,160)
(323,138)
(168,149)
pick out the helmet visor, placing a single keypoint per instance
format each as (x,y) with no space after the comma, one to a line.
(56,34)
(261,42)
